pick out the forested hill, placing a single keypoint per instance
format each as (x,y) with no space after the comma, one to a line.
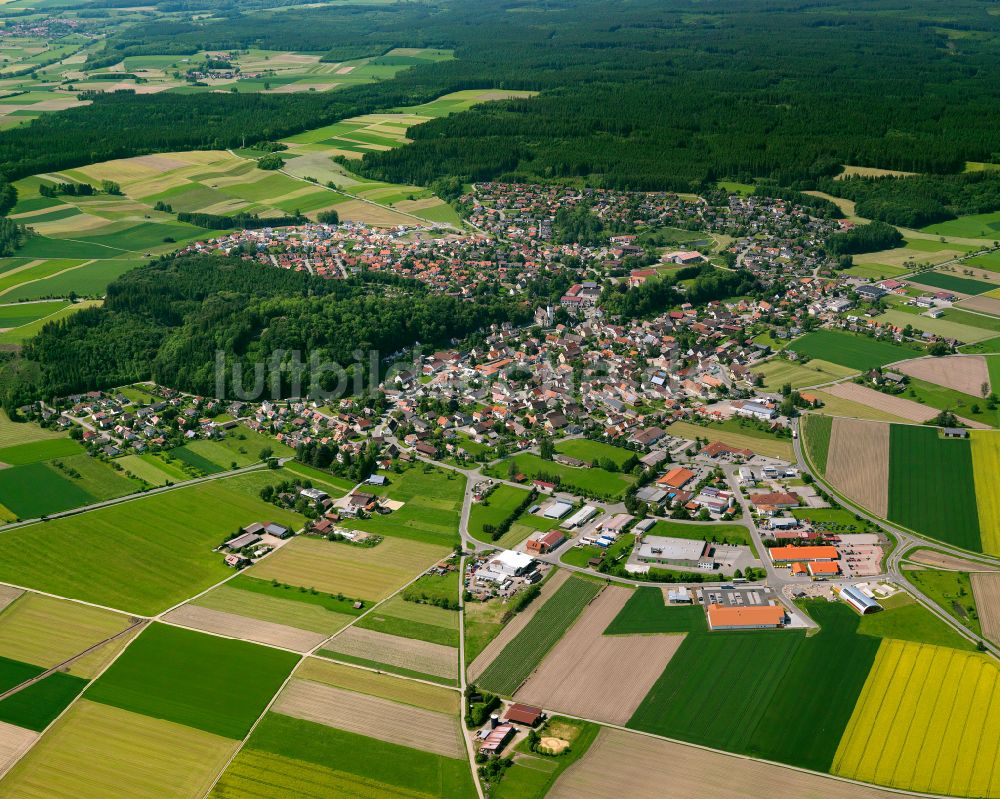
(166,322)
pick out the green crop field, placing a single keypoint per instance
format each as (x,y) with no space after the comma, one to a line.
(778,371)
(412,620)
(12,433)
(645,612)
(23,313)
(975,226)
(14,672)
(288,757)
(35,490)
(847,349)
(525,651)
(36,706)
(905,619)
(501,504)
(963,285)
(192,678)
(277,610)
(810,710)
(143,555)
(931,488)
(816,430)
(586,450)
(37,451)
(591,481)
(715,685)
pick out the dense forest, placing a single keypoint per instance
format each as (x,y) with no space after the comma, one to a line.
(167,321)
(658,94)
(696,284)
(865,238)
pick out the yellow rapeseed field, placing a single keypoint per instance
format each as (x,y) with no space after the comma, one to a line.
(928,720)
(986,471)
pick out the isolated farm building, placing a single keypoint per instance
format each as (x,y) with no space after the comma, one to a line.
(823,568)
(497,739)
(313,493)
(582,516)
(792,554)
(376,480)
(858,600)
(542,543)
(557,510)
(244,540)
(524,714)
(255,528)
(277,530)
(744,617)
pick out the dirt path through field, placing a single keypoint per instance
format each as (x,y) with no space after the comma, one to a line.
(372,716)
(515,625)
(858,462)
(601,677)
(626,764)
(939,560)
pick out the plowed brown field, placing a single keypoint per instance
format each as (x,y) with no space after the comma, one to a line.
(858,463)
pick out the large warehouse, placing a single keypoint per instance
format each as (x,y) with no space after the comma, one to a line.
(793,554)
(745,617)
(860,601)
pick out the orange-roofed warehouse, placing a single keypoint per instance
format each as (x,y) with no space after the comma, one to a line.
(823,569)
(677,477)
(745,617)
(792,554)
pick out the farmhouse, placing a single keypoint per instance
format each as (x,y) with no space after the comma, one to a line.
(497,739)
(759,617)
(793,554)
(524,714)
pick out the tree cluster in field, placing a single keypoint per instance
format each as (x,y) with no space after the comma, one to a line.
(872,237)
(241,220)
(340,463)
(480,705)
(165,321)
(12,236)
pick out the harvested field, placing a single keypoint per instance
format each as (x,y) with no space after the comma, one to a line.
(600,677)
(515,625)
(940,560)
(897,406)
(649,768)
(14,742)
(375,215)
(96,751)
(983,304)
(231,598)
(371,716)
(404,653)
(264,632)
(363,681)
(8,594)
(986,590)
(965,373)
(858,463)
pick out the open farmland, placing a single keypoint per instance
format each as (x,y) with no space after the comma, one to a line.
(762,444)
(986,590)
(959,285)
(422,621)
(499,506)
(46,631)
(232,625)
(816,432)
(36,451)
(35,490)
(521,656)
(778,371)
(858,462)
(186,677)
(371,716)
(406,656)
(369,573)
(849,350)
(931,486)
(838,406)
(37,705)
(143,555)
(12,433)
(234,597)
(986,472)
(965,373)
(96,751)
(596,676)
(14,742)
(642,766)
(370,683)
(924,722)
(586,450)
(646,612)
(589,481)
(898,407)
(288,757)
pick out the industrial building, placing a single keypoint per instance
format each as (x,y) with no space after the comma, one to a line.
(793,554)
(675,551)
(557,510)
(859,600)
(741,617)
(582,516)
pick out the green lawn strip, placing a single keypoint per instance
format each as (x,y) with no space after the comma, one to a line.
(735,534)
(848,349)
(94,476)
(502,503)
(963,285)
(374,664)
(645,613)
(816,430)
(807,715)
(245,582)
(214,684)
(905,619)
(582,555)
(381,762)
(35,490)
(142,556)
(952,591)
(585,450)
(320,479)
(14,672)
(931,488)
(993,366)
(186,455)
(590,481)
(526,650)
(408,628)
(433,588)
(36,451)
(834,520)
(716,685)
(36,706)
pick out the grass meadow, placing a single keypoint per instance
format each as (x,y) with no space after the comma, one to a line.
(849,350)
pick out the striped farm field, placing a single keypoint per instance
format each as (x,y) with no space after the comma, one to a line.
(926,721)
(986,470)
(521,656)
(858,463)
(816,432)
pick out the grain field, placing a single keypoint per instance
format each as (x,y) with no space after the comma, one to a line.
(263,632)
(404,653)
(986,590)
(965,373)
(14,742)
(858,463)
(600,677)
(897,406)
